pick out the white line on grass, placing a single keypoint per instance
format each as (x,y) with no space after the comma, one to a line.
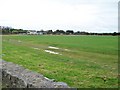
(53,47)
(52,52)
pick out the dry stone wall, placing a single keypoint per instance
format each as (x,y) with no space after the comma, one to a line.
(15,76)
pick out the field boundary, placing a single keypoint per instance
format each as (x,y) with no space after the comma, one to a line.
(15,76)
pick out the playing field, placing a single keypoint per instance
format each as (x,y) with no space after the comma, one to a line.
(80,61)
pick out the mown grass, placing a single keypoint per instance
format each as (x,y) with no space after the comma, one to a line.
(91,61)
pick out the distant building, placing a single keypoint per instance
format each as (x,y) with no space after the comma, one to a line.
(32,32)
(40,32)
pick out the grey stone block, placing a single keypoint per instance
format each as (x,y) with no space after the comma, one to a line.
(15,76)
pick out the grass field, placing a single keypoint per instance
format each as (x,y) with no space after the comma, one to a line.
(83,61)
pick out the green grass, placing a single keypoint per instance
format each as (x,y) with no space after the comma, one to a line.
(89,61)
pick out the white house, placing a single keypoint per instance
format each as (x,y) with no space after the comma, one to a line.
(32,32)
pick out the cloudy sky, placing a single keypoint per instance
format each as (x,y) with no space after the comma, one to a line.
(77,15)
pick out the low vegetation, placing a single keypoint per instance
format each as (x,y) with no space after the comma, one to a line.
(83,61)
(5,30)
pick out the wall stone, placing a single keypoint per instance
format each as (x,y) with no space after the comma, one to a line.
(15,76)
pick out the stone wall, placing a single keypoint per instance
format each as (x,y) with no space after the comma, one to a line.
(15,76)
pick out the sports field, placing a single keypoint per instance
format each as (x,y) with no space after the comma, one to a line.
(80,61)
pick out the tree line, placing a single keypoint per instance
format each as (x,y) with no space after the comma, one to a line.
(9,30)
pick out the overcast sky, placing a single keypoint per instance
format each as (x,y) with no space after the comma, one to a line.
(77,15)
